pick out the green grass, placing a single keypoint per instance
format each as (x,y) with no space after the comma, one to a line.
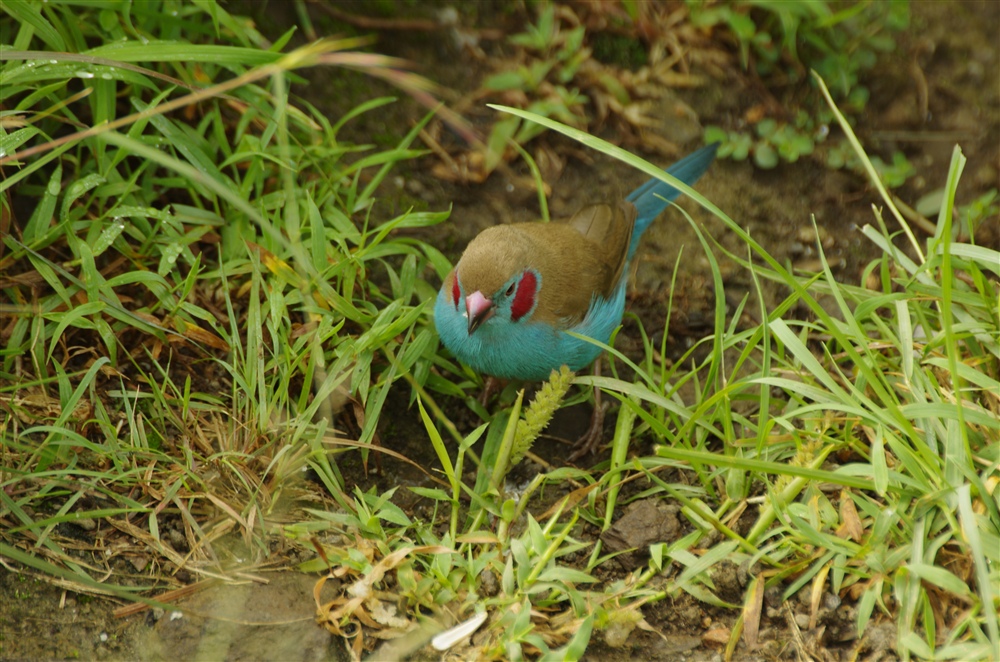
(893,399)
(201,293)
(198,284)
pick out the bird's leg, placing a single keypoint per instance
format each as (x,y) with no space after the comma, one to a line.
(595,433)
(489,387)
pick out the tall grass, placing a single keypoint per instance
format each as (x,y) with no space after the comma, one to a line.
(196,284)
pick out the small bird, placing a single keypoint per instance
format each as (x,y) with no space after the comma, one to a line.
(505,306)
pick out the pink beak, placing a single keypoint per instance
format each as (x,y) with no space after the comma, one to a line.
(478,308)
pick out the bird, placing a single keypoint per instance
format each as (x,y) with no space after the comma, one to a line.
(517,288)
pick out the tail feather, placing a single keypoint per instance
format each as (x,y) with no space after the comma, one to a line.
(651,198)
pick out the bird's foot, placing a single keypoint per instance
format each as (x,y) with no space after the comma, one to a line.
(489,388)
(592,438)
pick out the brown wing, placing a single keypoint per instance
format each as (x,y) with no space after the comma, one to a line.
(610,229)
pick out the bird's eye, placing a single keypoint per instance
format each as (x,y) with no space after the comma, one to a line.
(510,290)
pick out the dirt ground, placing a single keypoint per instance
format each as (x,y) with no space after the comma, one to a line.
(956,47)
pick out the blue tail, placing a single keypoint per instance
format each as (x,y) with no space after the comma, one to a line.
(651,198)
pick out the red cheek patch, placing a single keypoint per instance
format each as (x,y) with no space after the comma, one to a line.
(524,298)
(456,292)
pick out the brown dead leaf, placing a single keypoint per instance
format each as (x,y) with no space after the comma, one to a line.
(991,484)
(752,609)
(277,266)
(30,279)
(855,591)
(359,610)
(299,330)
(463,169)
(755,114)
(148,318)
(197,334)
(550,163)
(478,538)
(568,501)
(38,407)
(110,371)
(816,595)
(387,616)
(850,523)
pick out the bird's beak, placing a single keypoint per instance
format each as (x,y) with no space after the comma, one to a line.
(478,309)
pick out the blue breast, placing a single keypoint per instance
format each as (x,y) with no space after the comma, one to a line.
(527,350)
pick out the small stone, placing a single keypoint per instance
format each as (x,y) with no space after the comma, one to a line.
(176,538)
(488,584)
(86,524)
(644,523)
(717,638)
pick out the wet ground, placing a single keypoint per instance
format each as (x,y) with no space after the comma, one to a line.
(956,48)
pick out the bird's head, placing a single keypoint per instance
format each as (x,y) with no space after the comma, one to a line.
(494,282)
